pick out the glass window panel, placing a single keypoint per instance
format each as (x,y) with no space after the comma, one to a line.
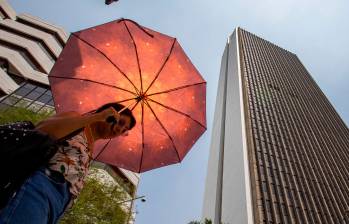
(3,106)
(40,89)
(33,95)
(51,103)
(34,106)
(10,100)
(30,86)
(22,103)
(22,91)
(44,98)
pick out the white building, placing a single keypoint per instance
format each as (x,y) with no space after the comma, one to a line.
(227,189)
(29,47)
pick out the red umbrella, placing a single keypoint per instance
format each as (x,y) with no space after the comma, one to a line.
(123,62)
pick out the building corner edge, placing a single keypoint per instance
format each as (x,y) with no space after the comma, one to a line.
(247,172)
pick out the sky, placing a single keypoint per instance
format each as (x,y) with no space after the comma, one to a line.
(316,30)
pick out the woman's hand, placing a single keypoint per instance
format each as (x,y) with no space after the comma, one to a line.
(107,114)
(60,125)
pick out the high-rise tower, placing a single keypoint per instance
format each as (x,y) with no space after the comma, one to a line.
(279,150)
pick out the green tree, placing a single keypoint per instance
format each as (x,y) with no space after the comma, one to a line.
(13,114)
(206,221)
(98,203)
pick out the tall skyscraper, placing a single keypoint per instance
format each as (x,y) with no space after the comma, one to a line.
(279,150)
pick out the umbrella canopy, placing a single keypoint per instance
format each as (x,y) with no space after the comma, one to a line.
(123,62)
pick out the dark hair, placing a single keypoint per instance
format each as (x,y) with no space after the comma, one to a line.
(118,107)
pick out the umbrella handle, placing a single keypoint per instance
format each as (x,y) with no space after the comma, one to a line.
(112,120)
(126,107)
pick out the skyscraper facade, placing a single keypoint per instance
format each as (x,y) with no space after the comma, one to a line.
(279,150)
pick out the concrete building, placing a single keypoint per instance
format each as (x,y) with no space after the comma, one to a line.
(279,150)
(29,47)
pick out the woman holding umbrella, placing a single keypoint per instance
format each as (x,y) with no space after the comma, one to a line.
(122,61)
(44,195)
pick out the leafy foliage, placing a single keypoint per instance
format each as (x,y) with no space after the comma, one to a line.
(13,114)
(98,203)
(207,221)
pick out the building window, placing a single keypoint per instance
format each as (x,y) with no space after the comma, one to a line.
(4,64)
(38,41)
(3,14)
(18,79)
(2,93)
(33,96)
(53,33)
(25,54)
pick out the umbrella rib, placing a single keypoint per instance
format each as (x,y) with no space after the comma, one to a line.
(139,26)
(135,47)
(162,66)
(88,80)
(121,101)
(177,88)
(134,105)
(163,127)
(104,147)
(142,123)
(179,112)
(108,60)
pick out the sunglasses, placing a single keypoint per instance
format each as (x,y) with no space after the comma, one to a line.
(114,122)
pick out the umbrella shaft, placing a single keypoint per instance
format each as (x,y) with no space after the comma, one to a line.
(128,106)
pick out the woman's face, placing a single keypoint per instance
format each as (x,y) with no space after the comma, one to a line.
(107,130)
